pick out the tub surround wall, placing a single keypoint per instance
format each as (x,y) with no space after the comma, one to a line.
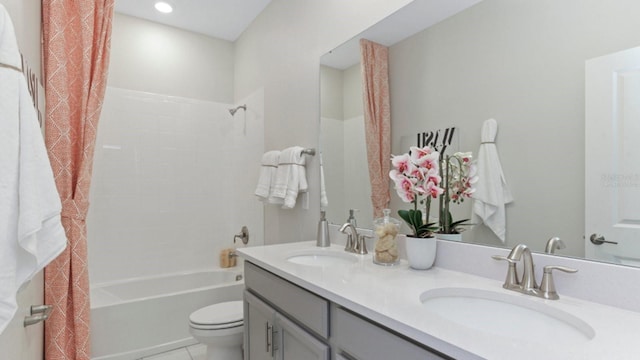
(173,183)
(174,172)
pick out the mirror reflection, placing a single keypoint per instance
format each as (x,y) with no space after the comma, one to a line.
(521,63)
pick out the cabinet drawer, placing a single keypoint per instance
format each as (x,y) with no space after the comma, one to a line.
(360,339)
(308,309)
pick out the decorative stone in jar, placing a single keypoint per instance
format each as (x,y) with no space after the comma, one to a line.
(386,248)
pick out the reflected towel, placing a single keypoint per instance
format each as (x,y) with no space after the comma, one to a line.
(492,192)
(267,179)
(324,201)
(31,232)
(291,178)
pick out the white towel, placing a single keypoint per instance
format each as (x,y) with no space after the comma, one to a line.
(31,234)
(324,200)
(291,178)
(267,179)
(492,192)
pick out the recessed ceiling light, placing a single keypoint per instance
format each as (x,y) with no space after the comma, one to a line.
(163,7)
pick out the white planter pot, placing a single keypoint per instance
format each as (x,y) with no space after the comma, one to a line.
(421,252)
(452,237)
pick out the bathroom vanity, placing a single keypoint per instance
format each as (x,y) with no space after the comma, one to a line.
(305,302)
(285,319)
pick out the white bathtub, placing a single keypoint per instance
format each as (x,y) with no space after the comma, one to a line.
(145,316)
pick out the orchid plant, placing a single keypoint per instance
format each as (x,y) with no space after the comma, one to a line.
(459,173)
(417,180)
(424,174)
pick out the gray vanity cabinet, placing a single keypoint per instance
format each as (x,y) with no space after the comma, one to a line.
(286,322)
(270,335)
(356,338)
(259,319)
(283,321)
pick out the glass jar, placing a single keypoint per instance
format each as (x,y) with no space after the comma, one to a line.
(386,230)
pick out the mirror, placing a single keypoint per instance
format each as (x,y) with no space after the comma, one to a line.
(520,62)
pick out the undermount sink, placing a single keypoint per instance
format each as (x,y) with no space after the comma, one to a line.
(321,257)
(513,316)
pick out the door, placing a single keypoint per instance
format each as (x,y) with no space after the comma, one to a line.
(612,176)
(295,343)
(259,321)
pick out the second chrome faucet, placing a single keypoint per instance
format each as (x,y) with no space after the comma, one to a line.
(526,284)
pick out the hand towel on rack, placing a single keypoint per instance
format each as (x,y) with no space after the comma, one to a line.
(291,178)
(267,179)
(32,234)
(492,192)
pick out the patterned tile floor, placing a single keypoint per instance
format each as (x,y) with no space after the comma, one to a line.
(194,352)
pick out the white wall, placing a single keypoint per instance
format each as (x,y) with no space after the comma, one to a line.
(495,60)
(161,59)
(280,51)
(174,172)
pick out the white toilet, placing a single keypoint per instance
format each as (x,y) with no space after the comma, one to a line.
(219,326)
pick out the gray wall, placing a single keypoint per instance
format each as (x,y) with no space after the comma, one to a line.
(522,63)
(280,52)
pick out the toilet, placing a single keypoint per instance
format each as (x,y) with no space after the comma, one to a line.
(220,327)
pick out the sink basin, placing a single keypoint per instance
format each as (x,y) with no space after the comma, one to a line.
(513,316)
(321,257)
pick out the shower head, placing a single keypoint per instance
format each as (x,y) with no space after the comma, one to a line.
(233,111)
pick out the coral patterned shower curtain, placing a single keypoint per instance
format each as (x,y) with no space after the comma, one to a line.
(77,36)
(377,120)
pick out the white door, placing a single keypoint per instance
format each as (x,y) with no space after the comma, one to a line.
(612,169)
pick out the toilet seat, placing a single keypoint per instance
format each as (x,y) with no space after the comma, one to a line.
(225,315)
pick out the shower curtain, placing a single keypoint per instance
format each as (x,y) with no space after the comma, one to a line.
(77,36)
(377,120)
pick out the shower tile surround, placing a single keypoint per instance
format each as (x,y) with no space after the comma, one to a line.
(173,182)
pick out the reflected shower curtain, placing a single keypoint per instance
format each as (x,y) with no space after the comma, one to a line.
(77,36)
(377,120)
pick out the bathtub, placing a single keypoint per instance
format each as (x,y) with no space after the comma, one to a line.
(145,316)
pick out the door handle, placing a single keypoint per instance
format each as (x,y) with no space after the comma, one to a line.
(597,239)
(38,313)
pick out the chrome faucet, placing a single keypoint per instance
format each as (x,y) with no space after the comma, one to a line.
(554,244)
(527,283)
(355,242)
(528,280)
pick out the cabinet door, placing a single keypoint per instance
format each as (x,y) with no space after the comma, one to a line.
(259,319)
(295,343)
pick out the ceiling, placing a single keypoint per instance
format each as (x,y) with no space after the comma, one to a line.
(223,19)
(409,20)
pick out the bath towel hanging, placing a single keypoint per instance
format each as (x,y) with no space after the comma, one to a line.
(267,178)
(492,192)
(291,178)
(32,233)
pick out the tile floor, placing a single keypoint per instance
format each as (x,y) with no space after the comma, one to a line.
(194,352)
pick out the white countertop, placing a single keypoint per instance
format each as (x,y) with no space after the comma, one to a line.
(390,296)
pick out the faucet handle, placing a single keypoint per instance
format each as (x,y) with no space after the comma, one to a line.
(361,245)
(511,281)
(501,257)
(547,286)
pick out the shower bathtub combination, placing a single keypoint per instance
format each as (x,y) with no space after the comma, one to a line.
(145,316)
